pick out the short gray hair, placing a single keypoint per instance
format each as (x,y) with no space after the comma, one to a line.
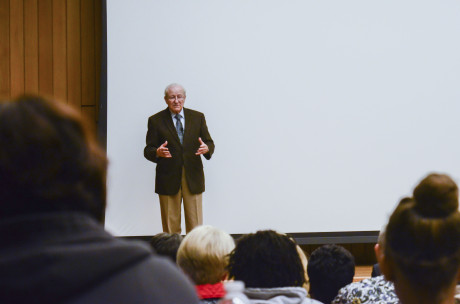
(203,254)
(172,85)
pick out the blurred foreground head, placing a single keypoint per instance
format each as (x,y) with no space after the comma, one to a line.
(49,162)
(422,242)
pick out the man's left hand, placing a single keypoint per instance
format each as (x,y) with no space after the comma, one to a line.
(203,149)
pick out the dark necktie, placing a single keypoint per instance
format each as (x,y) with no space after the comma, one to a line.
(179,128)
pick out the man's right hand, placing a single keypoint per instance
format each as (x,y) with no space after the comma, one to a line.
(162,151)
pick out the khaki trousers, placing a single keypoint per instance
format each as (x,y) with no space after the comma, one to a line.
(170,206)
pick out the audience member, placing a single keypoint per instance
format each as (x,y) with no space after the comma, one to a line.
(330,268)
(54,248)
(166,244)
(304,260)
(457,294)
(375,290)
(270,266)
(376,270)
(421,252)
(52,193)
(203,256)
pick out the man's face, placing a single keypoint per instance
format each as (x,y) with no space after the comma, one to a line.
(175,99)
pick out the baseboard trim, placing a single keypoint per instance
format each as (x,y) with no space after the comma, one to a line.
(312,238)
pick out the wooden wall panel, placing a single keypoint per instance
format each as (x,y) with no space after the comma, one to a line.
(4,49)
(60,49)
(16,47)
(45,47)
(73,53)
(31,46)
(89,113)
(362,252)
(97,50)
(88,88)
(52,47)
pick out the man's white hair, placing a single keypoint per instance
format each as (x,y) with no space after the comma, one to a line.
(172,85)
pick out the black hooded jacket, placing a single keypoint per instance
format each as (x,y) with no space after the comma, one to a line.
(70,258)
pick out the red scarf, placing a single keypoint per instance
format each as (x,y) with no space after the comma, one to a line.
(209,291)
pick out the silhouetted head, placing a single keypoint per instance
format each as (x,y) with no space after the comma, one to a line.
(330,268)
(49,162)
(266,259)
(166,244)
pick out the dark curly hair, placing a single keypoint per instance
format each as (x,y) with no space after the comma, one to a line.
(49,160)
(423,235)
(266,259)
(330,268)
(166,244)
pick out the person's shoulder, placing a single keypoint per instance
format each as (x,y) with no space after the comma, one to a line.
(151,280)
(159,115)
(348,292)
(311,301)
(372,290)
(168,281)
(188,111)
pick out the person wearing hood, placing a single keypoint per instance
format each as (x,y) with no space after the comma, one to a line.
(52,204)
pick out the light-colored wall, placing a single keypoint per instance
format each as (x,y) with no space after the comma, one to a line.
(324,113)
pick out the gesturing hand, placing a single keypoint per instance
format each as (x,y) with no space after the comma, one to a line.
(203,149)
(162,151)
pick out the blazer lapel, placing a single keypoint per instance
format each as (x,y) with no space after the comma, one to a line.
(188,122)
(169,123)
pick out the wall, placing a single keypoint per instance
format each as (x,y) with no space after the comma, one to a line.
(53,48)
(324,113)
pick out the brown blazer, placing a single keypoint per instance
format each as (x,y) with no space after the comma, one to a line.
(169,170)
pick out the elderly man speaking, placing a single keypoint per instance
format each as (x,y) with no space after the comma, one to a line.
(176,139)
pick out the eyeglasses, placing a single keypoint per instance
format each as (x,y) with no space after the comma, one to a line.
(178,97)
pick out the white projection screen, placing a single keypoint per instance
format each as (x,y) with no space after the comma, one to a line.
(324,113)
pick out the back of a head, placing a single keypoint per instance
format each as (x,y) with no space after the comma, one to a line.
(203,254)
(266,259)
(423,236)
(166,244)
(48,160)
(330,268)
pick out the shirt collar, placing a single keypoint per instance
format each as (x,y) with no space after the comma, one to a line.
(173,115)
